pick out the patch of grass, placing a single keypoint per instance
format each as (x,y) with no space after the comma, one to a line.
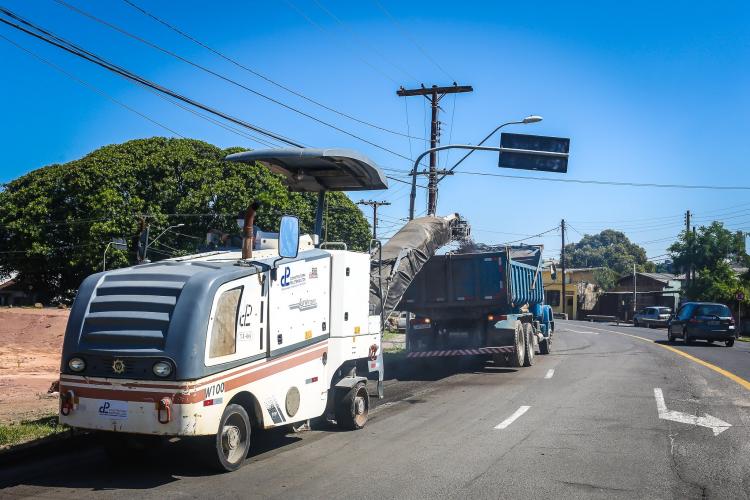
(390,335)
(744,339)
(29,430)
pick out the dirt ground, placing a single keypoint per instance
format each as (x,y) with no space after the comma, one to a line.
(30,345)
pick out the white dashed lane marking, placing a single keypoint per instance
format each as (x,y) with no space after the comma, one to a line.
(550,372)
(505,423)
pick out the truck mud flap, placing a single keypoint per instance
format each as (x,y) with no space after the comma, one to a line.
(474,351)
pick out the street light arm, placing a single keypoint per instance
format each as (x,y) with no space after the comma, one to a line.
(480,143)
(500,149)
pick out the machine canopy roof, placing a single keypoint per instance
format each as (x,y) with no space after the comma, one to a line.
(315,170)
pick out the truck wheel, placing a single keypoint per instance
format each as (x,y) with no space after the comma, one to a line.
(729,343)
(519,358)
(232,442)
(352,409)
(529,344)
(544,346)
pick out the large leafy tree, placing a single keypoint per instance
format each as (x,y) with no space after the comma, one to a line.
(609,249)
(714,252)
(56,221)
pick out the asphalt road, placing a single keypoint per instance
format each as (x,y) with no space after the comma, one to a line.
(589,429)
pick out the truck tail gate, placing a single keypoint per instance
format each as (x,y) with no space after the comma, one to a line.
(472,351)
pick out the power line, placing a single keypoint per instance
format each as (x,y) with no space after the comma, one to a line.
(52,39)
(362,42)
(408,36)
(556,228)
(227,79)
(262,76)
(609,183)
(90,86)
(325,31)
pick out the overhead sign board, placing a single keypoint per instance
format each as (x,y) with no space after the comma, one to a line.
(534,152)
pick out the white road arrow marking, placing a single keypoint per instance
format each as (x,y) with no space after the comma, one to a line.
(505,423)
(715,424)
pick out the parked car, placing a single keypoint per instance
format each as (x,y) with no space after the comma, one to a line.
(402,320)
(652,316)
(703,321)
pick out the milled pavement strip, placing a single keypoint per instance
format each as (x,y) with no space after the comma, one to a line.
(731,376)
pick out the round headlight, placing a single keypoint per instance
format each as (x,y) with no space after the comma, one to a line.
(76,364)
(162,369)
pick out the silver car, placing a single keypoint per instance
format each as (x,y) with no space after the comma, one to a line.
(652,316)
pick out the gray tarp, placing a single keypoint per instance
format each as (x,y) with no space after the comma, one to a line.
(402,258)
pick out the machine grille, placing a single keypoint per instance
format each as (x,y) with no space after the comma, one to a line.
(132,310)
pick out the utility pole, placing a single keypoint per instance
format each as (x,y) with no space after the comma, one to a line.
(635,292)
(433,94)
(562,264)
(374,205)
(690,248)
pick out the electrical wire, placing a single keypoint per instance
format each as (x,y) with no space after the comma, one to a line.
(227,79)
(52,39)
(408,36)
(90,86)
(260,75)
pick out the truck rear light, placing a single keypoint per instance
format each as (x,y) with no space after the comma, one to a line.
(497,317)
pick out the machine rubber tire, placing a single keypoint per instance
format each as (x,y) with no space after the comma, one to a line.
(544,346)
(729,343)
(528,344)
(670,335)
(353,408)
(635,323)
(710,341)
(232,441)
(519,357)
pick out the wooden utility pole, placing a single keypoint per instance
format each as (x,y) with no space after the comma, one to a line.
(689,269)
(562,264)
(374,205)
(433,94)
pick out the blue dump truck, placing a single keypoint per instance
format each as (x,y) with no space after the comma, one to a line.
(480,304)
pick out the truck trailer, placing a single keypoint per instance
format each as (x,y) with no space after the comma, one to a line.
(487,304)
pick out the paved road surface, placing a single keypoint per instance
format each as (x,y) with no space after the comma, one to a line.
(589,429)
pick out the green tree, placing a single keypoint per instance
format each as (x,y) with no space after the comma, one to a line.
(609,249)
(56,221)
(712,251)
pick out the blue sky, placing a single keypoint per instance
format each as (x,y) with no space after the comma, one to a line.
(647,91)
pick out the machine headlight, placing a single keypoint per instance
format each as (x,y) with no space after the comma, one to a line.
(162,369)
(76,364)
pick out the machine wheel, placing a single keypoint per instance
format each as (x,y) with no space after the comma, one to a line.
(529,344)
(729,343)
(352,409)
(232,442)
(710,341)
(635,323)
(544,346)
(670,335)
(519,358)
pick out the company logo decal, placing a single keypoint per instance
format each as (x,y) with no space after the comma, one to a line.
(289,281)
(304,305)
(313,273)
(114,409)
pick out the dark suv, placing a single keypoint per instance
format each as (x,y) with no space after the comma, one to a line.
(702,321)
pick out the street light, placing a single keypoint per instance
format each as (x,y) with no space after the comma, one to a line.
(525,121)
(145,250)
(119,243)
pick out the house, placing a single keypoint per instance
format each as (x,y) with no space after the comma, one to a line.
(11,293)
(580,290)
(649,282)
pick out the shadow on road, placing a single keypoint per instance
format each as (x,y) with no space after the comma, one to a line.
(92,469)
(695,343)
(399,367)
